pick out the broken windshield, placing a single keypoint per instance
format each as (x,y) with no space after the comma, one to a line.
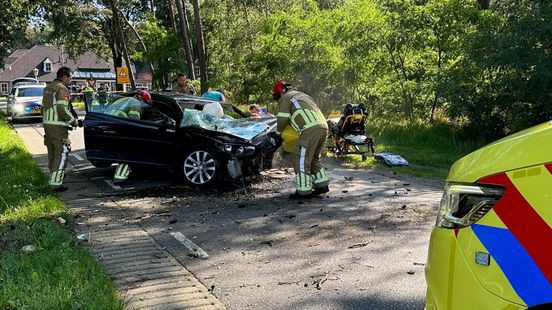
(243,128)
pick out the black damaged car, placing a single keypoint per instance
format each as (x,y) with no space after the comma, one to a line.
(172,132)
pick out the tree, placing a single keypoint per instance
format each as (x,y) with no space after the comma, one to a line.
(200,46)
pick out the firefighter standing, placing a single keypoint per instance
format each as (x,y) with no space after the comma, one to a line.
(299,110)
(102,96)
(183,86)
(56,119)
(88,94)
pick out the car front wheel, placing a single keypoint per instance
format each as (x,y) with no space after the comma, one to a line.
(199,168)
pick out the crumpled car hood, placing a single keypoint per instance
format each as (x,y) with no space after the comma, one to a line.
(244,128)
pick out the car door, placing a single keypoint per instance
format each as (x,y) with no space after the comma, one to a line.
(116,138)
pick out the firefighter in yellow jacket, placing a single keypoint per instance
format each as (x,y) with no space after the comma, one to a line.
(301,112)
(57,120)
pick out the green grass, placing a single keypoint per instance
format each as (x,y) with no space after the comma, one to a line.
(430,149)
(60,273)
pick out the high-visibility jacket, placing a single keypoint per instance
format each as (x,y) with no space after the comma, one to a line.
(129,109)
(299,110)
(55,105)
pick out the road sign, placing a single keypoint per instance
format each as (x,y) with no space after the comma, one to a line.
(122,75)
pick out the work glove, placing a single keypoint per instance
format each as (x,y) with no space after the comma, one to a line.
(80,123)
(275,138)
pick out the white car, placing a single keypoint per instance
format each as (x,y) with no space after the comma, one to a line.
(25,101)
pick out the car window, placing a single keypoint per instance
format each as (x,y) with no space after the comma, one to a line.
(130,107)
(30,92)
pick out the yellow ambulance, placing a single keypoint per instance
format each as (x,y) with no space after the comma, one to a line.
(491,247)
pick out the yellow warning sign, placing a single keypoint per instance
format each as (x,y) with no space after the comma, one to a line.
(122,75)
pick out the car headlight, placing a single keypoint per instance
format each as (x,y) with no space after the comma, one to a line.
(463,205)
(18,107)
(237,150)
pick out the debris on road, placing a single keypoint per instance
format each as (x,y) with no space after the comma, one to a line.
(313,226)
(173,221)
(418,264)
(348,178)
(269,243)
(82,237)
(360,245)
(411,272)
(403,207)
(289,283)
(345,191)
(61,221)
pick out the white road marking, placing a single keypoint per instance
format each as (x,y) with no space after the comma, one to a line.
(110,183)
(77,157)
(192,247)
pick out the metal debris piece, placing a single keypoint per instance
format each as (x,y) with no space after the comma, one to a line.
(28,248)
(360,245)
(82,237)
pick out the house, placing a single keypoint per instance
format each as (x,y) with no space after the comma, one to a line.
(48,59)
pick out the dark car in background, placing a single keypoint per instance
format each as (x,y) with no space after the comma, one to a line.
(203,151)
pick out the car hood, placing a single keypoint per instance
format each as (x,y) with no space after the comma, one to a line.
(523,149)
(32,100)
(244,129)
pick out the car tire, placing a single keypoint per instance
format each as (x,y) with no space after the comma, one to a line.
(199,167)
(100,163)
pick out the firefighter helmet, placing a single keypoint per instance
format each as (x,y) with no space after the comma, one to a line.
(144,95)
(280,88)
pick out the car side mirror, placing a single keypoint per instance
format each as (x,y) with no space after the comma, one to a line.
(169,123)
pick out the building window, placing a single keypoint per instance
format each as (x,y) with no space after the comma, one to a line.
(47,67)
(4,88)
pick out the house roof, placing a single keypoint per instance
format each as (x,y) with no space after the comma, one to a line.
(22,62)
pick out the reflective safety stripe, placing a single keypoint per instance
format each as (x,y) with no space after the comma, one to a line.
(56,178)
(283,114)
(321,176)
(134,113)
(122,172)
(120,113)
(295,103)
(304,182)
(310,117)
(302,159)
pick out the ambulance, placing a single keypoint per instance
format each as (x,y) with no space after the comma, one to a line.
(491,247)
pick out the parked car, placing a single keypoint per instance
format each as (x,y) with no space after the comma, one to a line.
(491,247)
(25,101)
(172,132)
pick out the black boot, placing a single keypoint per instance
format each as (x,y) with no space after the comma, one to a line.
(320,190)
(297,196)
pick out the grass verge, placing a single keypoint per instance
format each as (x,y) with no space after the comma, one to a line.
(59,273)
(429,148)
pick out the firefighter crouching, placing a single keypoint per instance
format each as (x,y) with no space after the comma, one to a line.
(57,120)
(130,109)
(299,110)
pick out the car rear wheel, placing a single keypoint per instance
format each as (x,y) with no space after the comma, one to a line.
(199,168)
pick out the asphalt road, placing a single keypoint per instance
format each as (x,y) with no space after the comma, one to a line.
(363,246)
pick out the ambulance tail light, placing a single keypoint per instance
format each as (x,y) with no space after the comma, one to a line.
(463,205)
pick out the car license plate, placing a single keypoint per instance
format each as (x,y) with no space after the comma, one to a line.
(37,110)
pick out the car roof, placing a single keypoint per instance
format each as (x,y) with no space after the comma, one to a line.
(30,85)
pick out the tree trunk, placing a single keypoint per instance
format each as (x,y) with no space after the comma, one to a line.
(122,41)
(200,46)
(484,4)
(185,38)
(171,14)
(140,40)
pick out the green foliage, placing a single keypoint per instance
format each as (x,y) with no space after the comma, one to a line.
(60,273)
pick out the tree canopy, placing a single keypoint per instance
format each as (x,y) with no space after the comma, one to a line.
(483,65)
